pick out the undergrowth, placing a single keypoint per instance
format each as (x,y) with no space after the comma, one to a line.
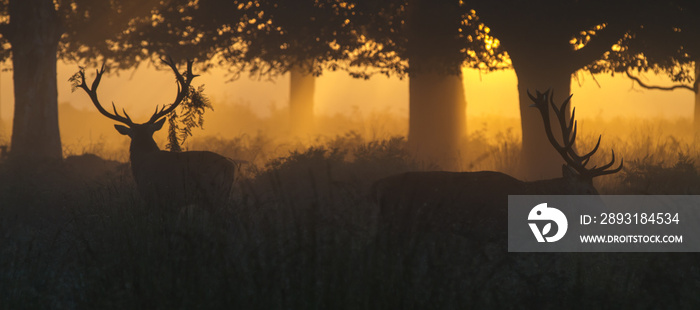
(302,233)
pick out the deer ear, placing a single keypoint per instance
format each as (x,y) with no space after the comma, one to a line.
(568,172)
(123,130)
(159,124)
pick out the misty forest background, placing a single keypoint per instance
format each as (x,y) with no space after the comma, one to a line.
(301,231)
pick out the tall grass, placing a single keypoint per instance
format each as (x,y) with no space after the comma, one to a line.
(302,233)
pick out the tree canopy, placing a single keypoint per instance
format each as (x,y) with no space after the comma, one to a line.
(262,38)
(547,42)
(87,29)
(453,36)
(665,43)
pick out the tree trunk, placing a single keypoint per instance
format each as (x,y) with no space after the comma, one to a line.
(3,131)
(437,107)
(34,35)
(301,101)
(437,119)
(539,160)
(696,119)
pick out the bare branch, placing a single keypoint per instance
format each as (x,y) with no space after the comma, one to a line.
(647,86)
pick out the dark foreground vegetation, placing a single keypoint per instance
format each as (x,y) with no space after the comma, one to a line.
(302,233)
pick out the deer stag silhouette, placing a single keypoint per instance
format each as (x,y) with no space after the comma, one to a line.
(465,202)
(169,179)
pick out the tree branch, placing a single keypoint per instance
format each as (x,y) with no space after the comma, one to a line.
(694,88)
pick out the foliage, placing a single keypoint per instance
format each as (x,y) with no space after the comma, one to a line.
(567,34)
(76,79)
(72,244)
(196,30)
(665,43)
(349,156)
(651,176)
(191,116)
(268,38)
(90,30)
(389,28)
(262,38)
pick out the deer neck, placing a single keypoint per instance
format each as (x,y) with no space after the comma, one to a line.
(140,148)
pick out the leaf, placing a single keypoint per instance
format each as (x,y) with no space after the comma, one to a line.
(546,228)
(76,79)
(173,129)
(191,116)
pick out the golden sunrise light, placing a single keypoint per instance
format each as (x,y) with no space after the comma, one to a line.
(349,154)
(488,95)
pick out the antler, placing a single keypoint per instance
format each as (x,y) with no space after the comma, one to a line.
(92,92)
(568,131)
(183,88)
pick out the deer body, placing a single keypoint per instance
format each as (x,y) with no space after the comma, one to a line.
(469,203)
(170,179)
(460,202)
(182,178)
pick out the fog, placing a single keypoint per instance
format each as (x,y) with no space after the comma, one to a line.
(376,107)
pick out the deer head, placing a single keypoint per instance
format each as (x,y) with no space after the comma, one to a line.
(575,168)
(141,134)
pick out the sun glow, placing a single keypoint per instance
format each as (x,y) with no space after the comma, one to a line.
(489,96)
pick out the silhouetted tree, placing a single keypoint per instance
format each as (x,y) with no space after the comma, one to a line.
(262,38)
(548,41)
(269,38)
(183,29)
(430,42)
(667,42)
(35,33)
(303,38)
